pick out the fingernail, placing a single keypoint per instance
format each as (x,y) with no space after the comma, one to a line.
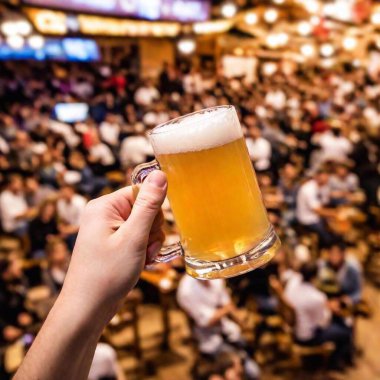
(157,178)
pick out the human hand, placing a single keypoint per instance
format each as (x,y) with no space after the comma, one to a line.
(114,243)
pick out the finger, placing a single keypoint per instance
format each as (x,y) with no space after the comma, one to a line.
(146,207)
(158,235)
(157,223)
(152,252)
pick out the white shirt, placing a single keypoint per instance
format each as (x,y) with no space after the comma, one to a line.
(104,363)
(145,96)
(103,154)
(71,212)
(309,198)
(109,132)
(334,148)
(11,206)
(276,99)
(201,302)
(134,150)
(260,152)
(311,309)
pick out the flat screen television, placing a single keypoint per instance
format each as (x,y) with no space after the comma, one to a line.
(71,112)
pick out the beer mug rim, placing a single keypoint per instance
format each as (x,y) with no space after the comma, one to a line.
(176,121)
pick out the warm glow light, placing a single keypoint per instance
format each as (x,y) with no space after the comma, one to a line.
(356,63)
(327,50)
(238,51)
(312,6)
(375,18)
(9,28)
(282,38)
(23,27)
(350,43)
(209,27)
(279,1)
(15,42)
(49,22)
(251,18)
(327,63)
(304,28)
(186,46)
(271,15)
(229,10)
(315,20)
(277,39)
(308,50)
(269,68)
(36,42)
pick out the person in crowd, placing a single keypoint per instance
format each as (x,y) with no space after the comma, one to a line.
(21,154)
(58,259)
(343,273)
(344,185)
(14,209)
(313,317)
(109,130)
(259,149)
(213,314)
(100,155)
(135,149)
(14,317)
(43,227)
(36,193)
(104,364)
(146,94)
(312,200)
(70,207)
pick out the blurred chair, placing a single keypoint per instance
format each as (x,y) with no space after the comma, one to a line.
(127,317)
(298,352)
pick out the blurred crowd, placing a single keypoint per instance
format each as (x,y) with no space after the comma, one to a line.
(314,141)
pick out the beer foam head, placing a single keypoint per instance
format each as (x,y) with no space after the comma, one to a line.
(201,130)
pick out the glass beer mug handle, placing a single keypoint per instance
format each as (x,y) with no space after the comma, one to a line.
(139,174)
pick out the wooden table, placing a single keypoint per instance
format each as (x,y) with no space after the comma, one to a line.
(166,281)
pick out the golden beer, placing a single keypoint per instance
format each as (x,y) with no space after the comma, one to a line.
(215,200)
(213,193)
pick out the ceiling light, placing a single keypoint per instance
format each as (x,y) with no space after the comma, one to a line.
(375,18)
(308,50)
(36,42)
(9,28)
(327,50)
(23,27)
(279,1)
(229,10)
(251,18)
(186,46)
(350,43)
(15,42)
(312,6)
(304,28)
(269,68)
(271,15)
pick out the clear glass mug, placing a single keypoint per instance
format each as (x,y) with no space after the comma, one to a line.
(213,193)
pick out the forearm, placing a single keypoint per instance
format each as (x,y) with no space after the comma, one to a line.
(65,346)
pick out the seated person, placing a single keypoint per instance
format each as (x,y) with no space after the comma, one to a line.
(210,308)
(58,262)
(344,185)
(14,317)
(313,323)
(341,273)
(70,207)
(42,227)
(104,364)
(227,366)
(311,210)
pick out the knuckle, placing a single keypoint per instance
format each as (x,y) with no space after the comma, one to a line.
(148,202)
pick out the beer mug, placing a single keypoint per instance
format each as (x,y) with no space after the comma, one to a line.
(214,195)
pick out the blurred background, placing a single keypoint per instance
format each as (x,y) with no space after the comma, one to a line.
(81,84)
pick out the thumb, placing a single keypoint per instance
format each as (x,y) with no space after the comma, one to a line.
(147,204)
